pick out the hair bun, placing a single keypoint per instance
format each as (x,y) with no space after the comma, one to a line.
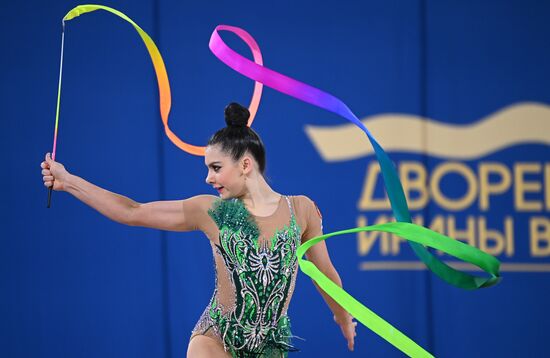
(236,115)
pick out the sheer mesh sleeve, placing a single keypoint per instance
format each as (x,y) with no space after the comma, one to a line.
(311,218)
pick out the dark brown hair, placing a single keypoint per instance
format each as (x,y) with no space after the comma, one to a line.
(237,138)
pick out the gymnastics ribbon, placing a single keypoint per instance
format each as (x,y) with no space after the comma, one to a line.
(165,100)
(417,236)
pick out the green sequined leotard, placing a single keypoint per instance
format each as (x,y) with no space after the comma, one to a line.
(262,274)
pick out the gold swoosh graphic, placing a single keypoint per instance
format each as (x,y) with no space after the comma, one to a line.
(521,123)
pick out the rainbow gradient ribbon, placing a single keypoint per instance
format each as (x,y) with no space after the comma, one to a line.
(417,236)
(165,99)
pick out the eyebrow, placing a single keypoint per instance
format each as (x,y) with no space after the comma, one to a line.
(213,163)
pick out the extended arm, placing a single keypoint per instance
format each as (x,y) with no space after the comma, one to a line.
(175,215)
(319,256)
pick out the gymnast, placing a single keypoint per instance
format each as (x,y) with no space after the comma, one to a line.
(254,232)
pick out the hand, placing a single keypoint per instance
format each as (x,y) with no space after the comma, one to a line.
(347,325)
(53,173)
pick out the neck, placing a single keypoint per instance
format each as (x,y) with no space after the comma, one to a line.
(259,194)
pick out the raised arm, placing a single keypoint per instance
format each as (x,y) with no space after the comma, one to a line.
(319,256)
(176,215)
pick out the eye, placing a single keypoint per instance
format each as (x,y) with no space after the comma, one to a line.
(216,168)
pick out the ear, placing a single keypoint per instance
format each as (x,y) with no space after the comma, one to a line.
(246,164)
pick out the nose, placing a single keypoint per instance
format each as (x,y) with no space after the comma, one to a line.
(208,179)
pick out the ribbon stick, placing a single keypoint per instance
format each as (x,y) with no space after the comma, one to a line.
(57,110)
(162,77)
(416,236)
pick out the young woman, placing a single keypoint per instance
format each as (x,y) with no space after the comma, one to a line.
(254,233)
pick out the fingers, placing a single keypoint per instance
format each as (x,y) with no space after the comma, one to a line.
(47,176)
(46,162)
(347,325)
(351,342)
(349,334)
(48,180)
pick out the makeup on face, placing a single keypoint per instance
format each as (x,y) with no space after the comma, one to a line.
(222,175)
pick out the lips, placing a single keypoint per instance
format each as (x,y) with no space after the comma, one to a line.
(219,189)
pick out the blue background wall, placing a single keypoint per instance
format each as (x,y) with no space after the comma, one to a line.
(74,284)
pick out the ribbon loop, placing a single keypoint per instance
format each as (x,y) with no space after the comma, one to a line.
(416,236)
(165,98)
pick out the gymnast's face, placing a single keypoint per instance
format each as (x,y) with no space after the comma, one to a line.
(226,175)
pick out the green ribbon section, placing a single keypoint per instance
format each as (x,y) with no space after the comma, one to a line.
(412,233)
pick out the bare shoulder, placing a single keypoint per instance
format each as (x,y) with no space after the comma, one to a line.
(172,215)
(203,201)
